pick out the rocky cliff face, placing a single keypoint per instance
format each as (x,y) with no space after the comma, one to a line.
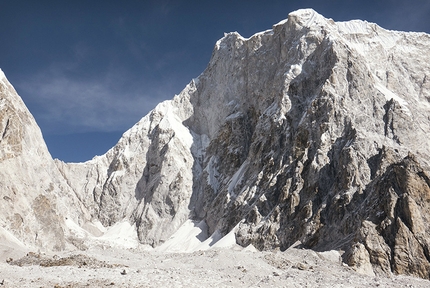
(313,131)
(34,196)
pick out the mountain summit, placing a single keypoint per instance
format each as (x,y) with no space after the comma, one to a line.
(313,131)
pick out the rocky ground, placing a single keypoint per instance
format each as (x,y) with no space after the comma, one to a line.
(98,267)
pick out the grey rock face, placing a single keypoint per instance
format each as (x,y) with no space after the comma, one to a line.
(313,131)
(34,198)
(146,178)
(303,132)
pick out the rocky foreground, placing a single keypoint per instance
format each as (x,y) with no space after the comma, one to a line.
(294,267)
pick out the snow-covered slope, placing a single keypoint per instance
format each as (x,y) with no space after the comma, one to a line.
(314,131)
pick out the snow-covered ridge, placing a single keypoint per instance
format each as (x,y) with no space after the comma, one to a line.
(306,18)
(352,31)
(2,75)
(356,27)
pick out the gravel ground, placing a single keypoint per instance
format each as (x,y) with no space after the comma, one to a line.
(111,267)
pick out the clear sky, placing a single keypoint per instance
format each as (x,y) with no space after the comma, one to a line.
(89,69)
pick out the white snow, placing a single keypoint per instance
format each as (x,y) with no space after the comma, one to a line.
(121,235)
(193,236)
(266,32)
(3,78)
(353,27)
(169,120)
(307,17)
(99,226)
(187,238)
(181,131)
(6,238)
(10,246)
(220,44)
(353,32)
(127,153)
(390,95)
(228,241)
(77,230)
(2,75)
(2,103)
(294,71)
(282,22)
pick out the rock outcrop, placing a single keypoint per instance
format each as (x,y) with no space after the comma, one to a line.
(35,199)
(313,131)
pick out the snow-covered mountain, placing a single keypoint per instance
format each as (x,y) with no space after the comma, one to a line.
(314,130)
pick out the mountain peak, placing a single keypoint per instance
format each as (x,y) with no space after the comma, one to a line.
(306,18)
(286,136)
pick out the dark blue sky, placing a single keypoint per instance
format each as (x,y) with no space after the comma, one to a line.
(88,70)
